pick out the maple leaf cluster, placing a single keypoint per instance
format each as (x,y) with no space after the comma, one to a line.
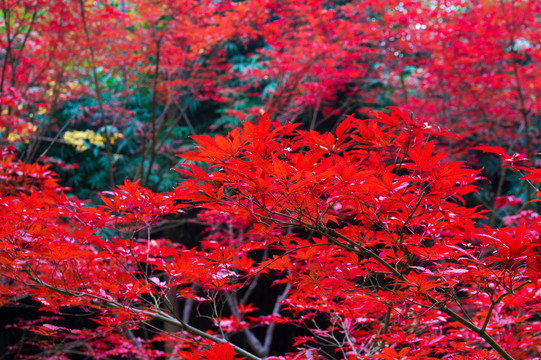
(321,235)
(365,230)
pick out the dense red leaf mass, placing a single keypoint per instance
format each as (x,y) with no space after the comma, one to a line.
(396,266)
(364,233)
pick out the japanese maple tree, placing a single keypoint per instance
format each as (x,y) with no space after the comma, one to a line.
(473,66)
(366,239)
(364,231)
(391,248)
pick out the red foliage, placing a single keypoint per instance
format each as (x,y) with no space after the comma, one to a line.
(392,255)
(366,230)
(395,241)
